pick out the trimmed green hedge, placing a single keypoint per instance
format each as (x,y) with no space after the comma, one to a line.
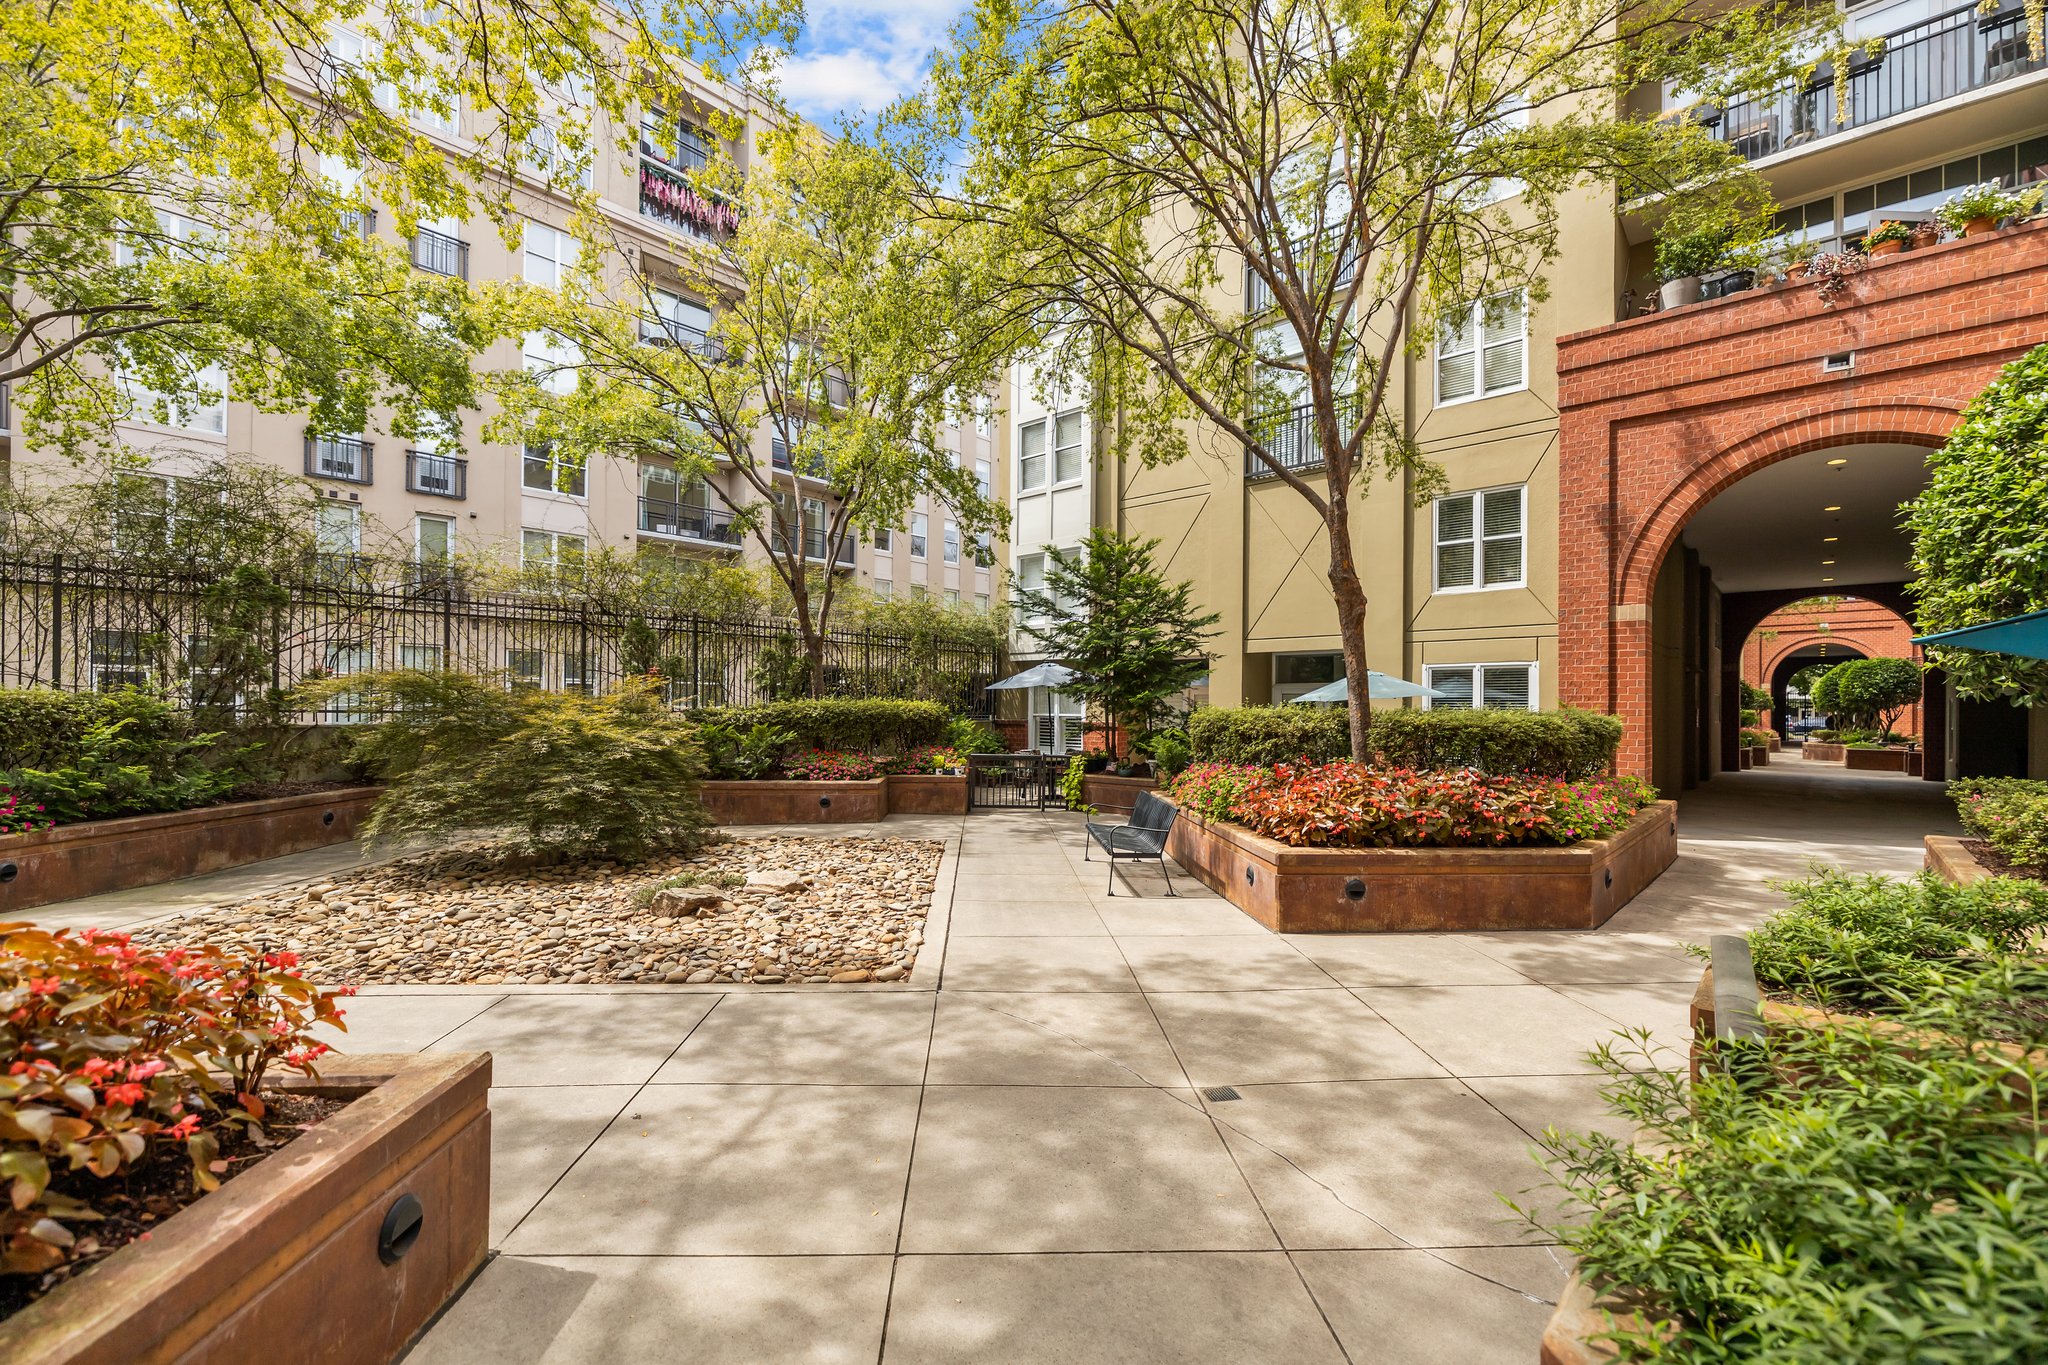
(1264,735)
(859,724)
(1569,744)
(93,755)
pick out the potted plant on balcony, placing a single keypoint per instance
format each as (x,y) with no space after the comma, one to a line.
(1976,209)
(1887,239)
(1683,258)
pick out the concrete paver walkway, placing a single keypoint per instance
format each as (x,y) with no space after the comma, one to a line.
(1025,1165)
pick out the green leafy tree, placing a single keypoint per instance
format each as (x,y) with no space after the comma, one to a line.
(1367,170)
(845,327)
(556,775)
(1878,690)
(185,189)
(1136,640)
(1980,531)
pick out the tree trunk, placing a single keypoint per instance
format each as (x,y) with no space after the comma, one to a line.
(1349,593)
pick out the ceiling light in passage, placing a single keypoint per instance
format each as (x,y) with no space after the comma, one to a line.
(1831,509)
(1826,562)
(1829,540)
(1827,580)
(1837,463)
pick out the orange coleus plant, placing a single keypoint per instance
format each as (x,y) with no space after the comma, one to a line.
(114,1057)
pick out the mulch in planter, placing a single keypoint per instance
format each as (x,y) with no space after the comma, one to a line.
(2003,866)
(134,1203)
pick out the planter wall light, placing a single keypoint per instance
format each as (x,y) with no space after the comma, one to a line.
(824,803)
(327,817)
(9,871)
(401,1229)
(1354,889)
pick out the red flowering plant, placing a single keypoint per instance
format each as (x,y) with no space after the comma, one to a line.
(15,818)
(932,758)
(831,765)
(1355,805)
(115,1058)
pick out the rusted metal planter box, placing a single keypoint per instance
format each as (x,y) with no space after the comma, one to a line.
(286,1262)
(1108,792)
(927,793)
(796,803)
(142,850)
(1876,760)
(1825,753)
(1757,756)
(1403,890)
(1578,1318)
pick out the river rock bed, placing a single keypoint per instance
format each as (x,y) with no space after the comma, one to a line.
(777,910)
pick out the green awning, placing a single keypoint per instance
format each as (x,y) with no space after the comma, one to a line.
(2023,637)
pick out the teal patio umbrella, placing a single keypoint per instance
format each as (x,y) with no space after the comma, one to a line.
(1377,685)
(2023,637)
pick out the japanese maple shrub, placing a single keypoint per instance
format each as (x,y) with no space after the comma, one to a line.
(115,1057)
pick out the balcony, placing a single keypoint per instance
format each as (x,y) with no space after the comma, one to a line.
(437,476)
(814,548)
(812,467)
(1921,64)
(1258,298)
(346,458)
(672,201)
(439,254)
(685,521)
(1290,438)
(667,332)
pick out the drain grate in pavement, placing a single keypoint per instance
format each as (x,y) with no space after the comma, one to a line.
(1220,1093)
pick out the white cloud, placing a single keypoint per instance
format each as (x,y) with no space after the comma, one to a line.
(859,55)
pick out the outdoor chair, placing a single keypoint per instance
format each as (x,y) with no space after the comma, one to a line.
(1144,836)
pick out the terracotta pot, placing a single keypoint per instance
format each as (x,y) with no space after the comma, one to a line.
(1795,274)
(1926,235)
(1977,227)
(1679,292)
(1876,249)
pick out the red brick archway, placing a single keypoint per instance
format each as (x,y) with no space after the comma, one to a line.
(1660,414)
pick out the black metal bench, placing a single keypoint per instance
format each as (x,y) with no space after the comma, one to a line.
(1144,836)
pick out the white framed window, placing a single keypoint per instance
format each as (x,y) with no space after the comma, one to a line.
(920,528)
(984,478)
(350,49)
(200,405)
(1069,447)
(526,668)
(1496,687)
(1480,540)
(677,321)
(545,159)
(984,551)
(952,597)
(1031,460)
(981,601)
(420,658)
(338,528)
(345,661)
(543,469)
(919,592)
(1484,351)
(949,544)
(674,142)
(433,539)
(885,589)
(550,254)
(118,659)
(1031,578)
(1058,721)
(885,541)
(551,551)
(552,361)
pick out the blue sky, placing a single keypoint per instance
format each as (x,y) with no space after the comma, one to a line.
(858,55)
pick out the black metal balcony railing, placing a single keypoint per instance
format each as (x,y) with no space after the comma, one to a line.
(1924,63)
(360,223)
(1290,438)
(814,547)
(438,476)
(661,517)
(346,458)
(1258,298)
(441,254)
(812,467)
(666,332)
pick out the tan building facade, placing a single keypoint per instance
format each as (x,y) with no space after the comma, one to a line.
(1470,592)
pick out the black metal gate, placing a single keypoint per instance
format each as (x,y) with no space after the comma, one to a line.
(1010,782)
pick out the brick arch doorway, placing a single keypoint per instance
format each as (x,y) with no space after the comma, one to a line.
(1861,623)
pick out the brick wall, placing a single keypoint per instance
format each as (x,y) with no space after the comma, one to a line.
(1849,629)
(1659,414)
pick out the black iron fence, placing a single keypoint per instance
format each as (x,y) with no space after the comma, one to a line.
(222,640)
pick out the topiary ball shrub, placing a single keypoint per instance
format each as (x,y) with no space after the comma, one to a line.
(1566,743)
